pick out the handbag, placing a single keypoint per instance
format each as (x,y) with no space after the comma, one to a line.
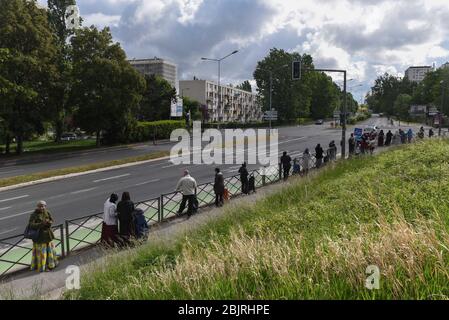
(30,233)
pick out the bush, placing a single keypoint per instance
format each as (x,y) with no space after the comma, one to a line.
(301,121)
(145,131)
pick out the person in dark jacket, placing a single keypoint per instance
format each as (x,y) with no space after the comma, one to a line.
(319,154)
(380,139)
(140,224)
(351,144)
(389,138)
(332,150)
(125,209)
(286,163)
(44,256)
(219,188)
(244,178)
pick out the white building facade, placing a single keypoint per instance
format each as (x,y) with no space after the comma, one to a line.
(417,74)
(157,66)
(236,105)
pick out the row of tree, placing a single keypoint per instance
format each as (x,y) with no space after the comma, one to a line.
(51,74)
(394,96)
(315,95)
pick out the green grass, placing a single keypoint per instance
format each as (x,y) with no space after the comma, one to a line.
(38,147)
(313,240)
(59,172)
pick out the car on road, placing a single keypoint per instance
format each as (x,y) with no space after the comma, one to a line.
(69,137)
(319,122)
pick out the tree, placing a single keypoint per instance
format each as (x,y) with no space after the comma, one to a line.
(107,89)
(193,107)
(325,96)
(157,99)
(402,106)
(61,84)
(27,67)
(245,86)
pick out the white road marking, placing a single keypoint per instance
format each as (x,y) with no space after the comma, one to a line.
(170,166)
(111,178)
(15,215)
(82,191)
(147,182)
(6,208)
(15,198)
(5,172)
(8,231)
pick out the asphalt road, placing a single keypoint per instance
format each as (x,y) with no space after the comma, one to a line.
(84,195)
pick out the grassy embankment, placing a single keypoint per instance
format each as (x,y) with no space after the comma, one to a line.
(314,240)
(49,147)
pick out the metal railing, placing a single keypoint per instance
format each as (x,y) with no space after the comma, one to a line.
(84,232)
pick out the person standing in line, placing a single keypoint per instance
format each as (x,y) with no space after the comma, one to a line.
(380,139)
(351,143)
(306,157)
(389,138)
(141,229)
(296,167)
(244,178)
(319,154)
(187,186)
(286,163)
(332,150)
(43,258)
(403,136)
(125,209)
(409,135)
(431,134)
(219,188)
(109,229)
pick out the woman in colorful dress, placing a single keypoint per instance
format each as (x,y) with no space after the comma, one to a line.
(44,257)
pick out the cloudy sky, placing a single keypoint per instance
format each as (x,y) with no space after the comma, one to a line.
(366,37)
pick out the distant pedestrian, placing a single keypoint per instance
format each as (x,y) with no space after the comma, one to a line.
(389,138)
(380,139)
(403,136)
(125,209)
(109,229)
(244,178)
(251,183)
(306,157)
(421,133)
(187,186)
(44,256)
(296,167)
(332,152)
(431,134)
(319,153)
(409,135)
(351,143)
(141,229)
(286,163)
(219,188)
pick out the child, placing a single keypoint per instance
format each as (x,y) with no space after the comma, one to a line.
(141,225)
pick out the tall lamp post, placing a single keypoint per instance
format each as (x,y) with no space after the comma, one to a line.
(219,74)
(270,72)
(442,107)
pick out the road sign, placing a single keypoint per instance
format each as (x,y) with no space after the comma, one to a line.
(271,115)
(177,108)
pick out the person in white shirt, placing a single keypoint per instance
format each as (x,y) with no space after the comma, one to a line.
(187,186)
(109,230)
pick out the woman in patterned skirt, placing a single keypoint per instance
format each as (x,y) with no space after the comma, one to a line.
(44,254)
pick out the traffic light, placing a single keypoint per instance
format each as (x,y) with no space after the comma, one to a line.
(296,70)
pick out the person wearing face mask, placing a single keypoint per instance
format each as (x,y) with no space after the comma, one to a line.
(44,257)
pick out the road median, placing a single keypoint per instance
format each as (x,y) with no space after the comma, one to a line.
(53,175)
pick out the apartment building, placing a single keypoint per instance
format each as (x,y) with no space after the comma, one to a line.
(236,105)
(417,74)
(157,66)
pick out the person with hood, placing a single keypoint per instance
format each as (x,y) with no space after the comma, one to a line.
(306,157)
(380,139)
(125,209)
(43,258)
(187,186)
(244,178)
(109,229)
(389,138)
(332,150)
(409,135)
(141,228)
(319,154)
(219,188)
(351,143)
(286,163)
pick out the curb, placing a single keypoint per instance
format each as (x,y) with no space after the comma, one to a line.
(71,175)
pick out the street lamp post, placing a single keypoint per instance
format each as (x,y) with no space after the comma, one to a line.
(219,75)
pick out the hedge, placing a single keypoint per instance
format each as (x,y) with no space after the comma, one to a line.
(145,131)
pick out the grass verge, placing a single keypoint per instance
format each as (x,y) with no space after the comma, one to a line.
(50,147)
(313,240)
(59,172)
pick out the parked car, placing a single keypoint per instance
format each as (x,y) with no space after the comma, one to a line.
(68,137)
(319,122)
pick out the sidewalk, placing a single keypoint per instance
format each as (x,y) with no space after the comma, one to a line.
(32,285)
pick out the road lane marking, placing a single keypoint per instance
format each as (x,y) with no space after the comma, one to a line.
(6,208)
(82,191)
(111,178)
(16,215)
(8,231)
(15,198)
(147,182)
